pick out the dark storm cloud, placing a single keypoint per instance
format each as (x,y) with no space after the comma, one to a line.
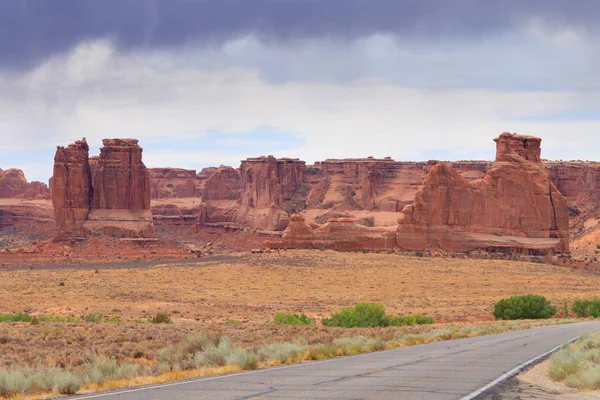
(31,30)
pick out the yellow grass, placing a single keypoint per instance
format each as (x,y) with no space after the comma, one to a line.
(162,378)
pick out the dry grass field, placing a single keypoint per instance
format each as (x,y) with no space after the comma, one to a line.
(239,297)
(251,288)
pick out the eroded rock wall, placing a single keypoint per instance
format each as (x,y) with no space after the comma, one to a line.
(223,184)
(71,190)
(114,200)
(172,182)
(268,180)
(510,205)
(515,205)
(13,184)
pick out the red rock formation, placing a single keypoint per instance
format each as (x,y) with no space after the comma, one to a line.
(373,184)
(578,181)
(115,201)
(267,180)
(14,185)
(265,185)
(337,234)
(201,178)
(223,184)
(510,145)
(514,206)
(121,196)
(172,182)
(71,189)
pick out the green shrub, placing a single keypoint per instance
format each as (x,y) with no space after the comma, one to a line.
(15,317)
(59,318)
(529,306)
(93,318)
(586,308)
(365,315)
(407,320)
(161,318)
(292,319)
(114,320)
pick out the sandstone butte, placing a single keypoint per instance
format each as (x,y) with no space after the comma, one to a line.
(264,192)
(513,207)
(14,185)
(109,195)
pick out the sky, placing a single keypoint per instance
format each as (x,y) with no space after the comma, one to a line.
(211,82)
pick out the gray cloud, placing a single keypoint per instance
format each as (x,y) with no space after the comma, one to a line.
(32,30)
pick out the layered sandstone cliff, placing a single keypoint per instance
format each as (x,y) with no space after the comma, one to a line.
(71,189)
(172,182)
(114,200)
(14,185)
(223,184)
(513,206)
(268,180)
(255,196)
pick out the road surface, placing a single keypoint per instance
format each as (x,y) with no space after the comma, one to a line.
(443,370)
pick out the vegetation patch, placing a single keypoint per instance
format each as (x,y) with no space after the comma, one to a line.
(205,354)
(161,318)
(282,318)
(577,364)
(15,317)
(369,315)
(586,308)
(529,306)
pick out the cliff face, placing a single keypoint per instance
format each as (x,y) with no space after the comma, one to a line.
(121,180)
(14,185)
(254,196)
(578,181)
(222,184)
(515,205)
(114,200)
(71,189)
(512,207)
(172,182)
(267,180)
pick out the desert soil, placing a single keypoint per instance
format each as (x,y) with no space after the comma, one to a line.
(535,384)
(238,296)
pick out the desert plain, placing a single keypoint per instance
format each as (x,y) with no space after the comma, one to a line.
(238,294)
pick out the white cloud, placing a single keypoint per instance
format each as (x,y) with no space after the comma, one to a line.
(97,92)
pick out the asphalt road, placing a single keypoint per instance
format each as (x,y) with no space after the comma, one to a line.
(443,370)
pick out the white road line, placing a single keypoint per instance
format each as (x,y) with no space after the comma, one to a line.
(514,371)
